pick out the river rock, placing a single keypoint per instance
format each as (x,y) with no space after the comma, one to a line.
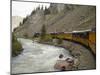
(63,65)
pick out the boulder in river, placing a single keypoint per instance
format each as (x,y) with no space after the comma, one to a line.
(63,65)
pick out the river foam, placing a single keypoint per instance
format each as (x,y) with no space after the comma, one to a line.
(37,57)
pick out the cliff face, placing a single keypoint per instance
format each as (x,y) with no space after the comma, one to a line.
(58,18)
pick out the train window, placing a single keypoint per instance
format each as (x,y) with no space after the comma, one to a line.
(75,35)
(93,29)
(82,35)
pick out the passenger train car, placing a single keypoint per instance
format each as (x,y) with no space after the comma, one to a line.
(86,38)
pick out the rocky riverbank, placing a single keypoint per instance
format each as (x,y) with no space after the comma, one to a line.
(86,59)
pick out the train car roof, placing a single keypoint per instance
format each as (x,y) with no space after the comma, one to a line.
(79,31)
(82,31)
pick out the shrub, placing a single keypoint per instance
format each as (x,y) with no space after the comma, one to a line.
(26,35)
(60,41)
(16,46)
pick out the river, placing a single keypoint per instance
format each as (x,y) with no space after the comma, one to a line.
(36,57)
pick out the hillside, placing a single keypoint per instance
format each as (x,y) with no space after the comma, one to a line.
(58,18)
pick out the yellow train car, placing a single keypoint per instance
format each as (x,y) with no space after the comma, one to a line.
(65,36)
(92,41)
(81,38)
(86,38)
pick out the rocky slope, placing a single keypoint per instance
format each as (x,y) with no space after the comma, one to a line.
(58,18)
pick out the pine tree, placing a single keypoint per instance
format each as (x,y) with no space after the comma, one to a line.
(42,7)
(43,32)
(33,12)
(46,11)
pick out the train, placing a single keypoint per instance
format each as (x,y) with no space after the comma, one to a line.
(86,38)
